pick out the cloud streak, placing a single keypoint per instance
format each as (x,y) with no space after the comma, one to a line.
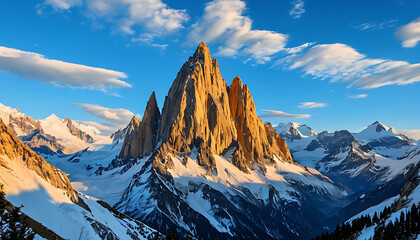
(307,105)
(115,117)
(340,62)
(298,9)
(409,34)
(34,66)
(414,134)
(375,25)
(281,114)
(358,96)
(223,22)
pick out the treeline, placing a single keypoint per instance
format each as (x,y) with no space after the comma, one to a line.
(407,226)
(13,223)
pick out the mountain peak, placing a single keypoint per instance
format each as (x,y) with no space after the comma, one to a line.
(134,121)
(201,112)
(202,48)
(53,117)
(144,138)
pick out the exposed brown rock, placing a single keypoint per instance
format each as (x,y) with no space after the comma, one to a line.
(38,140)
(14,148)
(197,105)
(129,130)
(278,144)
(77,132)
(258,143)
(19,123)
(145,137)
(201,111)
(129,141)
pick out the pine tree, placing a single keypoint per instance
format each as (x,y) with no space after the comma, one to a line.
(13,224)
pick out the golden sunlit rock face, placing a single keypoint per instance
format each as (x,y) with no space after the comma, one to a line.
(144,139)
(202,112)
(12,147)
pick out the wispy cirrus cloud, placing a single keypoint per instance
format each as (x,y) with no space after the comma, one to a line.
(368,26)
(59,5)
(414,134)
(357,96)
(224,22)
(409,34)
(115,118)
(340,62)
(281,114)
(312,105)
(34,66)
(298,9)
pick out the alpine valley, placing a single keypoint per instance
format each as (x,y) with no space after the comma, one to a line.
(203,166)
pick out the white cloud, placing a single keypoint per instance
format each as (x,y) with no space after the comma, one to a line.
(312,105)
(115,117)
(223,22)
(100,127)
(375,25)
(152,16)
(409,34)
(35,66)
(414,134)
(340,62)
(358,96)
(60,5)
(298,9)
(299,48)
(280,114)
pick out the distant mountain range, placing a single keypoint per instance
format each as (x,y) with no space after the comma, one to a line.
(204,166)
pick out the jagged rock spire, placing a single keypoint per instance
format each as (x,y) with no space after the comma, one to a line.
(144,139)
(197,106)
(202,112)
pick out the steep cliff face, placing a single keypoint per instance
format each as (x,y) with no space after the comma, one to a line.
(19,123)
(42,143)
(258,143)
(201,112)
(15,149)
(77,132)
(145,136)
(197,105)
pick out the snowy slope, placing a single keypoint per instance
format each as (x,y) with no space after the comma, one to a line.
(410,194)
(57,127)
(376,130)
(55,210)
(20,123)
(95,173)
(292,131)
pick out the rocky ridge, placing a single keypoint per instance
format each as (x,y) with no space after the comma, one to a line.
(14,148)
(77,132)
(202,112)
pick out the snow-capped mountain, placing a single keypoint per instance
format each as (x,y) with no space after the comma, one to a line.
(18,122)
(206,166)
(48,198)
(379,135)
(52,135)
(293,131)
(212,169)
(374,163)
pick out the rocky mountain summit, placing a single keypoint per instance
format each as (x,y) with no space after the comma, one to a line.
(49,136)
(14,148)
(202,112)
(77,132)
(209,166)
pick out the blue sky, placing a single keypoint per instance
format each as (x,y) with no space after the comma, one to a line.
(333,64)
